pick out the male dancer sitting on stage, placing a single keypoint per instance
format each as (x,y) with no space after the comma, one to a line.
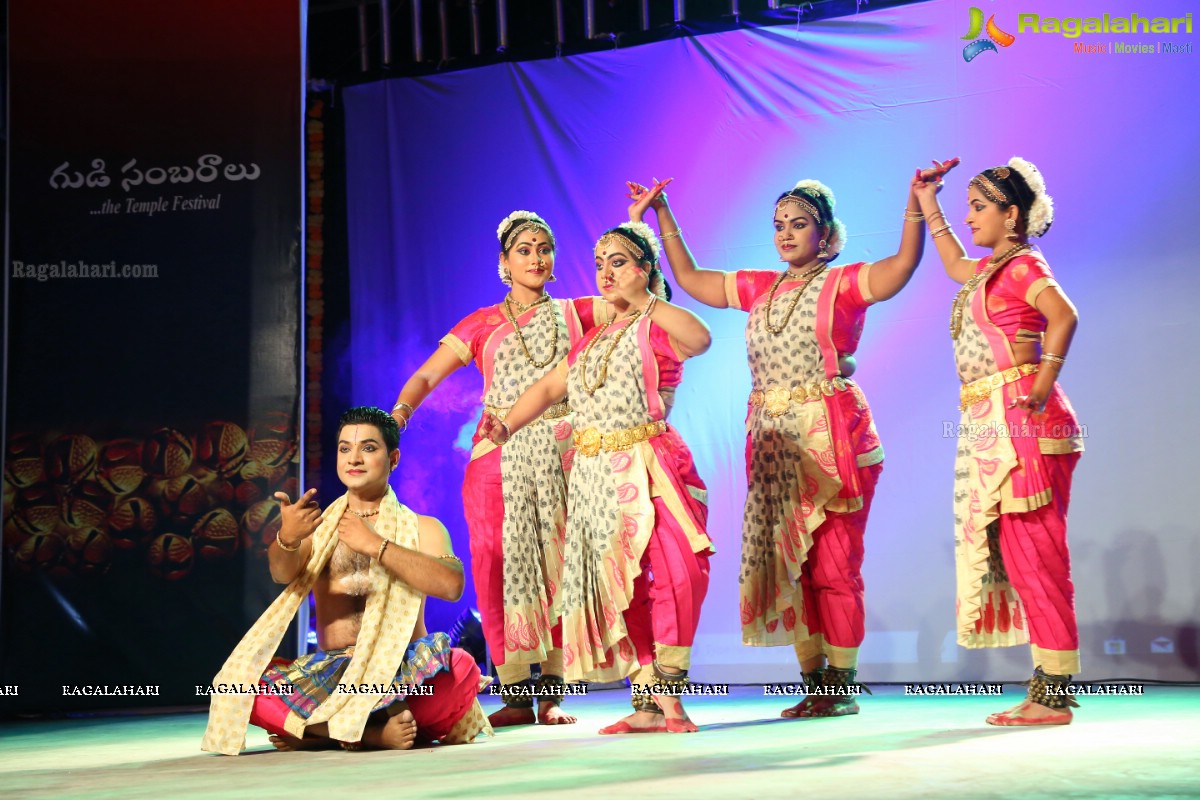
(370,563)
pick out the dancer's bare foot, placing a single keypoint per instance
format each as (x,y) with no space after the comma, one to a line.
(286,743)
(677,718)
(637,722)
(551,714)
(507,716)
(398,733)
(1027,713)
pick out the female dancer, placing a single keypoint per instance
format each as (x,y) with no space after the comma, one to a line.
(515,501)
(637,560)
(812,453)
(1019,440)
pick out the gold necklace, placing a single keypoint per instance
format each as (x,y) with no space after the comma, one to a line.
(807,278)
(587,351)
(523,307)
(364,514)
(1009,253)
(959,306)
(512,318)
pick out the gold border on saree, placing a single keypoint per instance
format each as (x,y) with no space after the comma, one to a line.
(971,393)
(777,399)
(589,441)
(556,411)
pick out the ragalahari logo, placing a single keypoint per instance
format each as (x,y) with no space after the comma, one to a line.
(995,36)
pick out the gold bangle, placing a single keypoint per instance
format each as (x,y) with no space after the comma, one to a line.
(383,546)
(936,231)
(1053,358)
(675,234)
(401,404)
(944,232)
(283,546)
(935,215)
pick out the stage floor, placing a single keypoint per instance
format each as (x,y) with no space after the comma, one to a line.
(899,747)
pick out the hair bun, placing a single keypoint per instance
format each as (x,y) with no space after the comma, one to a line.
(814,188)
(1040,215)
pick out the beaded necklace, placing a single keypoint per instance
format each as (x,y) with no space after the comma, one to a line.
(512,318)
(959,306)
(587,351)
(807,278)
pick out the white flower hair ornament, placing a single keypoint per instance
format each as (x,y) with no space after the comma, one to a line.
(510,219)
(647,234)
(1040,215)
(836,240)
(814,187)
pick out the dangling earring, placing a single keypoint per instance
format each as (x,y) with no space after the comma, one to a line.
(551,279)
(1010,225)
(823,250)
(506,277)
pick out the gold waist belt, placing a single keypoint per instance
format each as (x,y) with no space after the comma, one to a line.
(556,411)
(589,442)
(777,399)
(971,393)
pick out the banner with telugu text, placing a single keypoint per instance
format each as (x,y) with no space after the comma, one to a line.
(153,329)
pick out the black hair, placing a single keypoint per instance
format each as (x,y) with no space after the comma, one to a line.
(1017,190)
(372,415)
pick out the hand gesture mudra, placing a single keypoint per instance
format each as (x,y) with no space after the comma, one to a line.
(493,429)
(356,534)
(299,520)
(655,197)
(1032,402)
(929,180)
(632,283)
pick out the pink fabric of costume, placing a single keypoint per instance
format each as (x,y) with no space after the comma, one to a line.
(521,624)
(1011,317)
(477,331)
(1013,482)
(1034,548)
(673,583)
(1011,295)
(811,463)
(636,572)
(483,507)
(831,578)
(841,317)
(435,714)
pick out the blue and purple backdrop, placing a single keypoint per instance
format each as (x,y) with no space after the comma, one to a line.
(434,163)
